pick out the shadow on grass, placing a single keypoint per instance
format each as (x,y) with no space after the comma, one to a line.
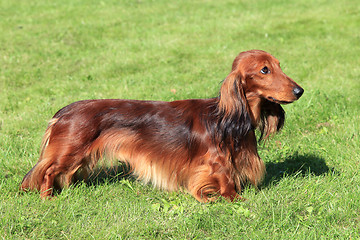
(296,164)
(102,175)
(112,174)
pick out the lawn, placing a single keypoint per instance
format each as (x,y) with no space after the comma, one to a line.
(56,52)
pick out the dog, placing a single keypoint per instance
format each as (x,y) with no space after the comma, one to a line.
(205,146)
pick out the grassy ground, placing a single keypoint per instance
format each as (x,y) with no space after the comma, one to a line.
(55,52)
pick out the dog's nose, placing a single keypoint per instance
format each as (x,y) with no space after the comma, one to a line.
(298,91)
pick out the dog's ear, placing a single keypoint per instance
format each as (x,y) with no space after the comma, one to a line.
(272,119)
(232,96)
(233,118)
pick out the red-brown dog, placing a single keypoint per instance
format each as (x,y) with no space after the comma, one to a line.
(206,146)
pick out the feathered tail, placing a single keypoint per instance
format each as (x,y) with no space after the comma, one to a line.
(34,177)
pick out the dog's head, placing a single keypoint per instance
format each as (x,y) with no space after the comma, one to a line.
(261,75)
(258,85)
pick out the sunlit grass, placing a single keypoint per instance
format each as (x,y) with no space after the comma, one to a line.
(54,53)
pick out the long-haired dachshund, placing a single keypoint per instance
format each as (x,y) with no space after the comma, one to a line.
(207,146)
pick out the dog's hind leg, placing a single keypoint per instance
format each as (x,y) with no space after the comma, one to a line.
(47,185)
(59,175)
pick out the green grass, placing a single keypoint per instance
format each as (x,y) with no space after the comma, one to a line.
(55,52)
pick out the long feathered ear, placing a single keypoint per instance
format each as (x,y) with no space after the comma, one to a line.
(232,96)
(272,119)
(234,121)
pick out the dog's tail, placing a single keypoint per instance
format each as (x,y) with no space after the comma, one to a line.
(34,178)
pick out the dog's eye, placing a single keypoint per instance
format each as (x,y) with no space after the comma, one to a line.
(265,70)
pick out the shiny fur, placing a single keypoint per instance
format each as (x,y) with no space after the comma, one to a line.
(206,146)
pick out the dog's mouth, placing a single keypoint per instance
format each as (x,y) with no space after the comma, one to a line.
(272,99)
